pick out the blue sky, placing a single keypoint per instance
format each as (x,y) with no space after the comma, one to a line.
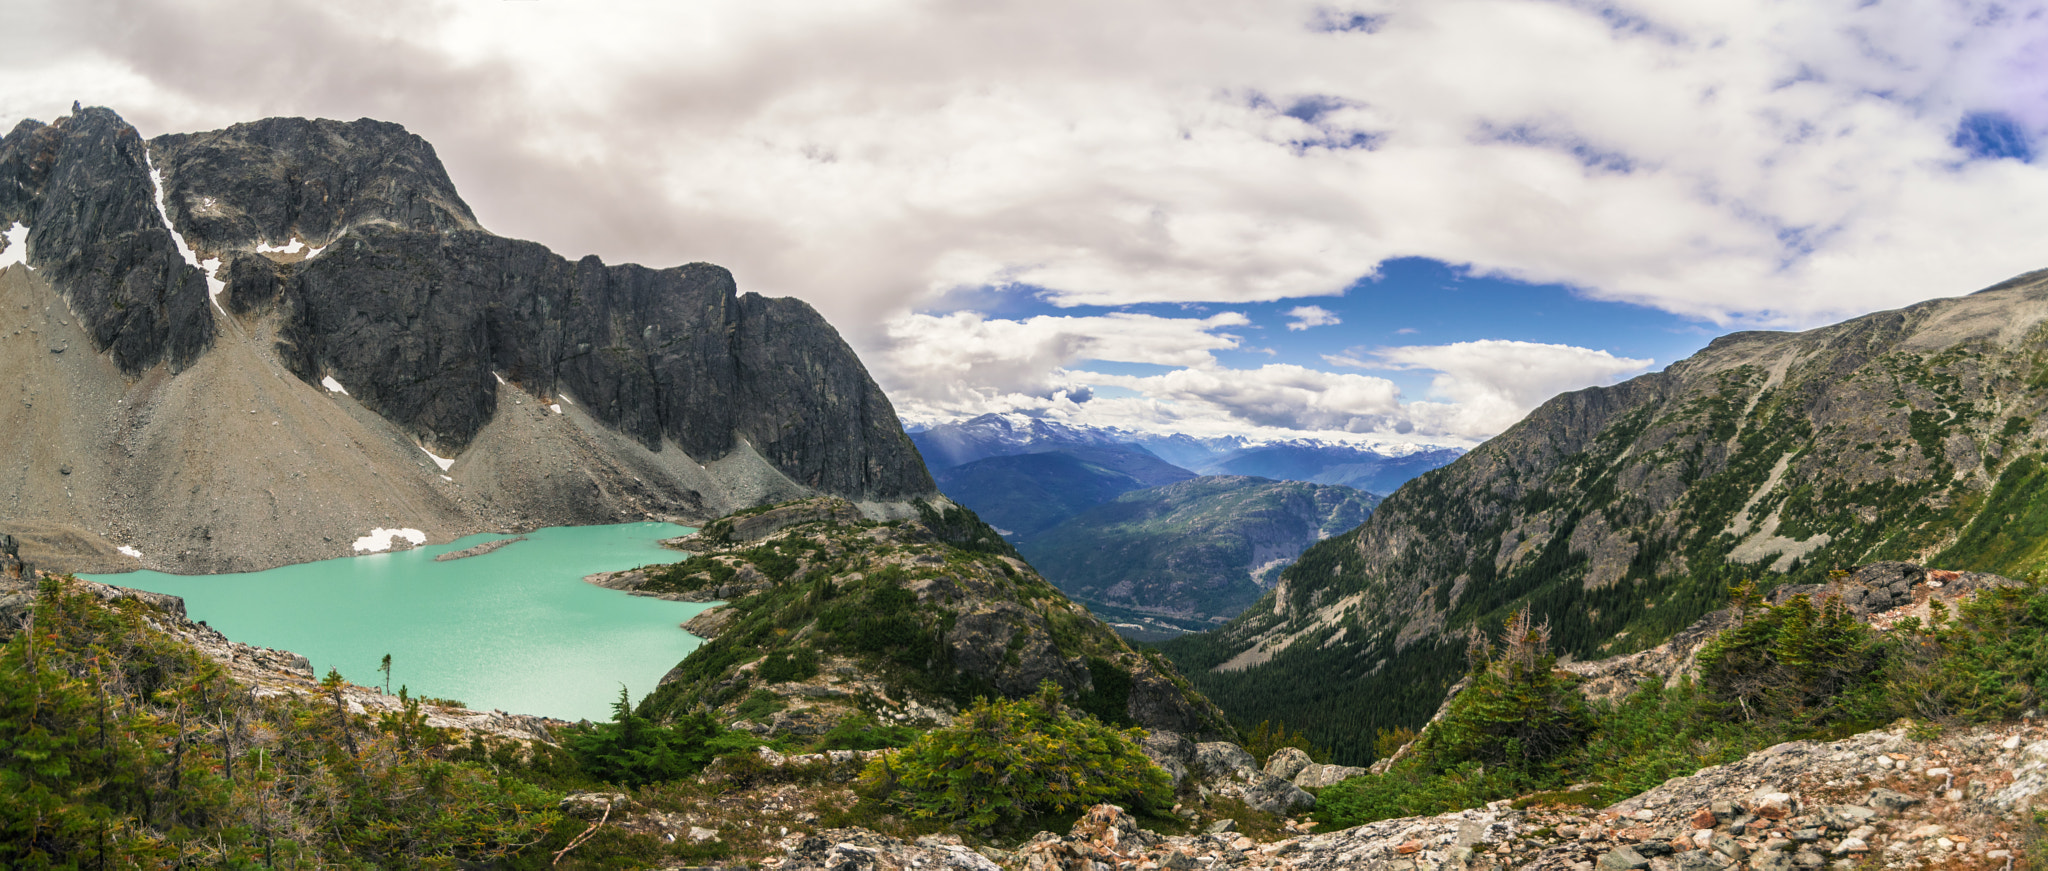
(1017,208)
(1410,301)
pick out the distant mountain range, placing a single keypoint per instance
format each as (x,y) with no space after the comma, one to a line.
(1201,548)
(1377,468)
(1170,530)
(1022,495)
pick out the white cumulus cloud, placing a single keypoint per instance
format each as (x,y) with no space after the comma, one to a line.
(965,363)
(1484,387)
(1306,316)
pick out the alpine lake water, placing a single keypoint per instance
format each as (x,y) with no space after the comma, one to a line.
(515,629)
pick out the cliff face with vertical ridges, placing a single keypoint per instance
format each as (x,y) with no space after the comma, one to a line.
(341,253)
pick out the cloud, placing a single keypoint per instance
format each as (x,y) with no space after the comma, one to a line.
(1488,385)
(1747,162)
(1279,395)
(1306,316)
(966,363)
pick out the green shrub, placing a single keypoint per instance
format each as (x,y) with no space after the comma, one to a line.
(1792,663)
(1005,762)
(785,666)
(1987,662)
(1517,709)
(123,747)
(864,732)
(635,751)
(696,573)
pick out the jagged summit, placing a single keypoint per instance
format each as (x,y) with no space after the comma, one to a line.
(252,345)
(280,179)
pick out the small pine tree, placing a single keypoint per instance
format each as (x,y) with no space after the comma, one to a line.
(635,751)
(1516,710)
(1789,663)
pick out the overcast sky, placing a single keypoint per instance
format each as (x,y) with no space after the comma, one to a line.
(1403,221)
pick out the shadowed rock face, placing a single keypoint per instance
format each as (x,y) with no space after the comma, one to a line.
(82,187)
(347,254)
(280,178)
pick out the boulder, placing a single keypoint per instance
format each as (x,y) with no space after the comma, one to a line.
(1229,771)
(1219,758)
(1172,752)
(1317,775)
(593,805)
(1287,762)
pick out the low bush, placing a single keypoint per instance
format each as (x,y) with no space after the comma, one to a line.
(633,750)
(1004,762)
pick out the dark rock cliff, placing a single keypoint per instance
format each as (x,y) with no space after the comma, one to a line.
(348,242)
(82,187)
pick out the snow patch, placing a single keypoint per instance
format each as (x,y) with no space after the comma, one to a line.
(314,252)
(448,479)
(501,378)
(333,386)
(556,408)
(17,246)
(267,248)
(213,285)
(379,539)
(443,462)
(130,551)
(565,398)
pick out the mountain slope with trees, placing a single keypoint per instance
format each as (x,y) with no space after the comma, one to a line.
(1621,514)
(1023,495)
(829,615)
(1201,548)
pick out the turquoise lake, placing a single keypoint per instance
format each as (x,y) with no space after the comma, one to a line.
(516,629)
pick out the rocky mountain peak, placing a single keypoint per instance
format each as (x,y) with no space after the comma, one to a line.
(412,342)
(272,182)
